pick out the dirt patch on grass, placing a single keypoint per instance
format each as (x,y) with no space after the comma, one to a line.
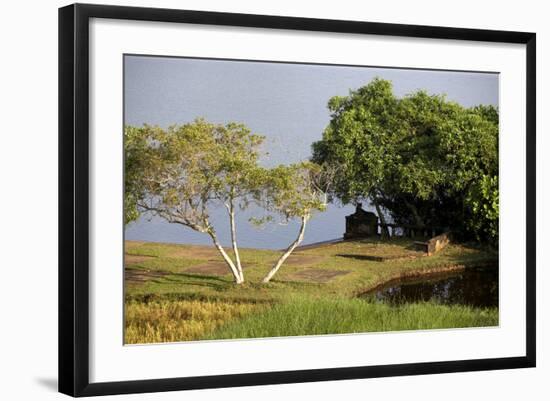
(212,268)
(133,259)
(304,260)
(138,276)
(194,252)
(318,275)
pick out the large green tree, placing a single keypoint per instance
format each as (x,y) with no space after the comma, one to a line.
(358,142)
(182,172)
(423,159)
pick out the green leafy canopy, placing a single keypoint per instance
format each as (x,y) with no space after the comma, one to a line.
(428,161)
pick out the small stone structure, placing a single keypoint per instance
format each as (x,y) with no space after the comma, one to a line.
(361,224)
(435,244)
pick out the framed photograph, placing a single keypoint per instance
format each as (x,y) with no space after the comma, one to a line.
(251,199)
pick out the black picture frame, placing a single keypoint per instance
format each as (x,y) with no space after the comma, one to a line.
(74,198)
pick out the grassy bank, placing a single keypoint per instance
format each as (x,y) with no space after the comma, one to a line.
(308,316)
(183,292)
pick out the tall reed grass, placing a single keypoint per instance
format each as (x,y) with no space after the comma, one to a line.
(310,316)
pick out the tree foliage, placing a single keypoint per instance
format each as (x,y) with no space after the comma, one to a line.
(290,192)
(135,164)
(427,161)
(180,173)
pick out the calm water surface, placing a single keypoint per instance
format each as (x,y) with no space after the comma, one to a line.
(474,287)
(324,226)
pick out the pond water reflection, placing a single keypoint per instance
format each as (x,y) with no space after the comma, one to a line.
(474,287)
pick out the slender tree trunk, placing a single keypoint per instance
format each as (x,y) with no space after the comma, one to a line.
(234,241)
(384,230)
(288,250)
(226,257)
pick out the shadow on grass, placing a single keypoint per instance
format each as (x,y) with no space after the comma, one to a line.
(196,296)
(214,282)
(361,257)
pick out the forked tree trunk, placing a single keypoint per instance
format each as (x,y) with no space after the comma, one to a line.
(227,259)
(234,242)
(288,251)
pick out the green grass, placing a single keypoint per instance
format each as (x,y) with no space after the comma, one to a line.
(158,307)
(308,316)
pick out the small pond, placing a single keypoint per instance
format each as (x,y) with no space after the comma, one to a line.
(474,287)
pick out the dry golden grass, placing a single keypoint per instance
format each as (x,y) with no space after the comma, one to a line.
(170,321)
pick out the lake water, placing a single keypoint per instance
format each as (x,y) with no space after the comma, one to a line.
(323,226)
(474,287)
